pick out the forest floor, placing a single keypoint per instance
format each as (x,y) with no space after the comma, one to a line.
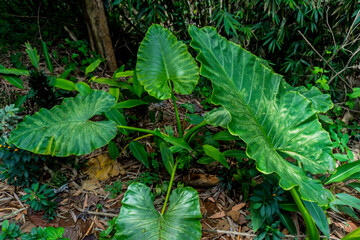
(85,206)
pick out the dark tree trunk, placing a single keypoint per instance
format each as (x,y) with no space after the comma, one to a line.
(98,30)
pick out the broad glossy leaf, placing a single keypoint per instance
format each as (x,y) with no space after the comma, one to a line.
(317,213)
(344,171)
(218,117)
(320,102)
(139,219)
(162,59)
(270,119)
(66,129)
(14,80)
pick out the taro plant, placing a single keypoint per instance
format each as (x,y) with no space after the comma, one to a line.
(278,123)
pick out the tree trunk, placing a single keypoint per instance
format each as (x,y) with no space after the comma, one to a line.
(99,32)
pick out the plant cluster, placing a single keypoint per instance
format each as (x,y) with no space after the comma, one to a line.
(41,198)
(13,232)
(256,108)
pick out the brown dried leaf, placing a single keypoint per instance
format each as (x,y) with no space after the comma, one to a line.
(238,207)
(91,184)
(218,215)
(102,167)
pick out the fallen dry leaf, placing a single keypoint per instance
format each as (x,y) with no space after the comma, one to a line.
(218,215)
(103,167)
(223,225)
(91,184)
(238,207)
(235,215)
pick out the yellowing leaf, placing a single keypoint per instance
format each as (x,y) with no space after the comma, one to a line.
(102,167)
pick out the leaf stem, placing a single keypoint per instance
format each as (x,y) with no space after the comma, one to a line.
(143,130)
(177,115)
(311,228)
(169,188)
(189,133)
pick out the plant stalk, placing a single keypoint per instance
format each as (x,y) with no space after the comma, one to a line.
(311,228)
(169,188)
(142,130)
(189,133)
(177,116)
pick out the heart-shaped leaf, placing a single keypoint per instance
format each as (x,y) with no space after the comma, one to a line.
(66,129)
(270,119)
(161,59)
(139,219)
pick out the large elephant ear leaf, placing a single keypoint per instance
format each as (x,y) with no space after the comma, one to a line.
(271,120)
(139,219)
(67,129)
(321,102)
(163,59)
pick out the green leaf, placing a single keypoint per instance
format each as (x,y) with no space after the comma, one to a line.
(268,118)
(139,153)
(13,71)
(178,142)
(235,153)
(225,136)
(123,74)
(288,223)
(355,93)
(139,219)
(5,226)
(216,154)
(344,171)
(341,157)
(118,118)
(354,235)
(92,66)
(47,57)
(130,104)
(218,117)
(14,80)
(317,213)
(113,150)
(206,160)
(167,157)
(83,88)
(346,199)
(162,59)
(66,129)
(64,84)
(33,55)
(320,102)
(112,83)
(138,88)
(256,219)
(114,91)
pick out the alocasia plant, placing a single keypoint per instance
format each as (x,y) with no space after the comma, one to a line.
(271,120)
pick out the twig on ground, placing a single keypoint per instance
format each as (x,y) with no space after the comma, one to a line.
(97,213)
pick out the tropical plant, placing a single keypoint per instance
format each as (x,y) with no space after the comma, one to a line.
(275,120)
